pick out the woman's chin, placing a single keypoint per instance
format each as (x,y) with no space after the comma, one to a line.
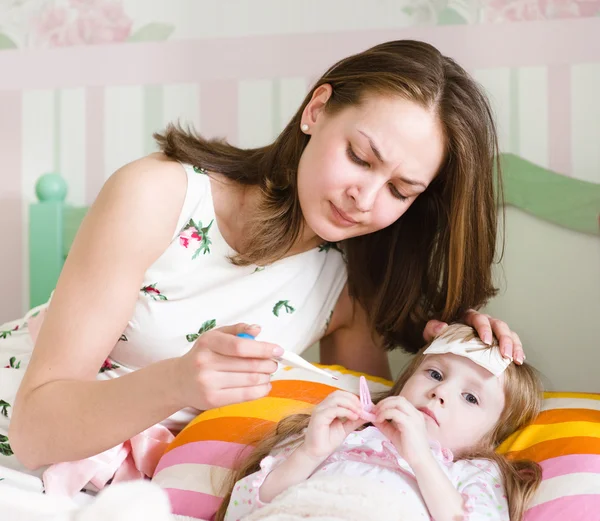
(327,232)
(334,236)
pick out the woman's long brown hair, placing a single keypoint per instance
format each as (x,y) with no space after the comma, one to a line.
(523,396)
(433,262)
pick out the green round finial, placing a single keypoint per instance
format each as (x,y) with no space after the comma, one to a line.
(51,187)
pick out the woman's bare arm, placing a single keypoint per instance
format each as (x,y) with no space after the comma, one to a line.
(61,412)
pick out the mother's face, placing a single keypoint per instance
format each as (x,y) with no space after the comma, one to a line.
(364,166)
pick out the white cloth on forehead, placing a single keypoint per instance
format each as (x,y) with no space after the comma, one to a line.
(488,357)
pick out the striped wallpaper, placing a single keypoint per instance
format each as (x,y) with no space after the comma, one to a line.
(86,110)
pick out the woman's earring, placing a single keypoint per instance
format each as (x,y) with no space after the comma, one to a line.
(304,127)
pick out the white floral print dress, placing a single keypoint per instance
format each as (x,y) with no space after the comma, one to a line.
(191,288)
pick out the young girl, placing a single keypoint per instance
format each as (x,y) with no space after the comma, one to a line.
(429,441)
(389,158)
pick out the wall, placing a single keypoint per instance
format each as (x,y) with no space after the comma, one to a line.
(84,84)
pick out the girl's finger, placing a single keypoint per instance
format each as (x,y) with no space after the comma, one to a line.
(405,406)
(393,402)
(352,425)
(394,415)
(348,399)
(328,415)
(344,399)
(342,412)
(337,397)
(388,429)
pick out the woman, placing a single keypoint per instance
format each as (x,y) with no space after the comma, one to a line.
(390,159)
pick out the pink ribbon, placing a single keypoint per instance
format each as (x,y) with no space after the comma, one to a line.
(365,400)
(134,459)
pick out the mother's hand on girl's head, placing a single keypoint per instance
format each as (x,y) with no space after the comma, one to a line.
(510,343)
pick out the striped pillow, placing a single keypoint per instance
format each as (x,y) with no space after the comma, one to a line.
(203,454)
(565,441)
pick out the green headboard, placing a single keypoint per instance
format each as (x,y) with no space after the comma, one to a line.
(52,228)
(550,196)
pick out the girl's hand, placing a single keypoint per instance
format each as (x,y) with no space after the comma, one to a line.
(510,343)
(331,421)
(222,368)
(405,428)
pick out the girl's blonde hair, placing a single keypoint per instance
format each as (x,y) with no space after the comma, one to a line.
(523,397)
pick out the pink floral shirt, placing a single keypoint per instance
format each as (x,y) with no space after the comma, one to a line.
(368,453)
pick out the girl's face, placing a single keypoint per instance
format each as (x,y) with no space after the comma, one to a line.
(460,400)
(364,166)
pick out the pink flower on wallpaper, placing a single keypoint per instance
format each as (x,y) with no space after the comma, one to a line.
(104,24)
(84,22)
(525,10)
(50,25)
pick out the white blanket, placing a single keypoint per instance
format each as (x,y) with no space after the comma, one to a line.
(339,499)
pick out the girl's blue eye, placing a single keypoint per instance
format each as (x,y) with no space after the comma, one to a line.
(355,159)
(436,375)
(471,399)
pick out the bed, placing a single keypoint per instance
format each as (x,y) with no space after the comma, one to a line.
(568,430)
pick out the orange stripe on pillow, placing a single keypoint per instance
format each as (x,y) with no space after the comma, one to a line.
(232,429)
(559,447)
(286,397)
(310,392)
(268,408)
(567,415)
(539,433)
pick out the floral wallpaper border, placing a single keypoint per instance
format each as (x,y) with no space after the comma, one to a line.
(64,23)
